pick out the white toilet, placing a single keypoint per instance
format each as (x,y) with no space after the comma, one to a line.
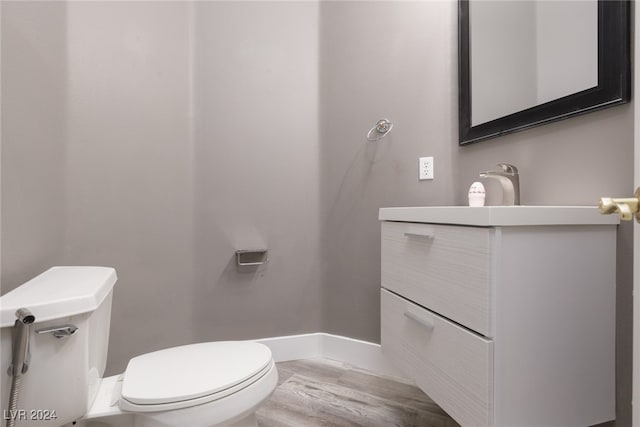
(198,385)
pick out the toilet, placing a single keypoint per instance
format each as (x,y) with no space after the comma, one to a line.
(198,385)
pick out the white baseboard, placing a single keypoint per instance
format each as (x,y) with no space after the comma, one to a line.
(362,354)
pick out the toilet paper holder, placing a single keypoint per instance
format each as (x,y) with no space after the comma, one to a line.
(249,257)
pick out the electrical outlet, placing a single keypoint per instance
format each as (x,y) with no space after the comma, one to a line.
(425,168)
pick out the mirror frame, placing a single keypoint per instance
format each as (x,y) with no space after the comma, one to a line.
(614,78)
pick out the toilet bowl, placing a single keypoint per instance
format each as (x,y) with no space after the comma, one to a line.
(197,385)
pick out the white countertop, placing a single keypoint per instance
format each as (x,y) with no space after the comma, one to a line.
(500,215)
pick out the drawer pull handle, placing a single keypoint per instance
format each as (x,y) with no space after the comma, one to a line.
(427,323)
(427,236)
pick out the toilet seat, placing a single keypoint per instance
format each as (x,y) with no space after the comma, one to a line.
(189,375)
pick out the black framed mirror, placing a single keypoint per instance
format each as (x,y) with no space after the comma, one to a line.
(526,63)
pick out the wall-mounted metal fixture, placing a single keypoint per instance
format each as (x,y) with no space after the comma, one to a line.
(251,257)
(380,130)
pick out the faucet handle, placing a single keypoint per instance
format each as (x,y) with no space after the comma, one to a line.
(508,177)
(508,168)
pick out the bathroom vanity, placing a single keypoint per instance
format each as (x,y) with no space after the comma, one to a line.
(505,315)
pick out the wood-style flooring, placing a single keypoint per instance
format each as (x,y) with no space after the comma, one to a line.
(323,392)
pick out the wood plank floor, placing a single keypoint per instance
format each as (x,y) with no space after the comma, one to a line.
(323,392)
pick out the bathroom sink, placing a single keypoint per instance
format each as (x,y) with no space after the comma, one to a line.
(499,215)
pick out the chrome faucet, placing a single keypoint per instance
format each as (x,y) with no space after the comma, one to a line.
(510,181)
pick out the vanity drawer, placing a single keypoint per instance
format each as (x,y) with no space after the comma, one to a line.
(451,364)
(444,268)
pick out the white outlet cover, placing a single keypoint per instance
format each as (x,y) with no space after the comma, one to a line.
(425,168)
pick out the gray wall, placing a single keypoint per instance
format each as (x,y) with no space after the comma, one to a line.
(33,130)
(256,169)
(137,136)
(379,59)
(129,162)
(192,130)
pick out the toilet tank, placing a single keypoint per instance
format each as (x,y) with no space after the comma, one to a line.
(64,373)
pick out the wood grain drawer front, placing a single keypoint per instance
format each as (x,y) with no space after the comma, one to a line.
(444,268)
(451,364)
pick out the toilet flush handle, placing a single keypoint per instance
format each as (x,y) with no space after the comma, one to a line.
(63,331)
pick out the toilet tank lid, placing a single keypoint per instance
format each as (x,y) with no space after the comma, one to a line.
(59,292)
